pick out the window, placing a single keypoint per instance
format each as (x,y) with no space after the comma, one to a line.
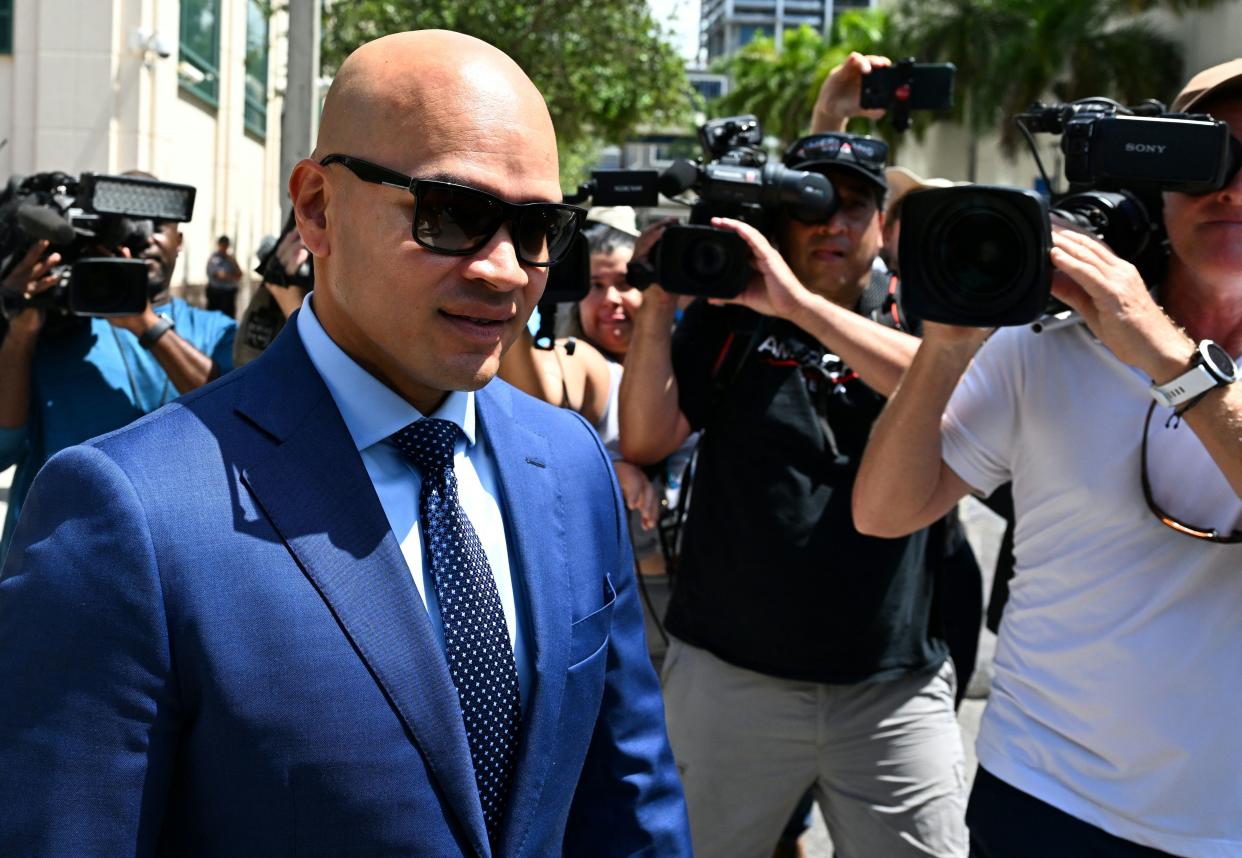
(6,26)
(748,33)
(198,63)
(709,89)
(256,67)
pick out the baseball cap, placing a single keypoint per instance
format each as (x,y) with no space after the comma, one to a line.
(864,156)
(621,218)
(1217,80)
(902,181)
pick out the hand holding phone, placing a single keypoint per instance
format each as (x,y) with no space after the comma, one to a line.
(908,86)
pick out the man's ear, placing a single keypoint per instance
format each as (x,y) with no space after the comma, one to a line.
(309,188)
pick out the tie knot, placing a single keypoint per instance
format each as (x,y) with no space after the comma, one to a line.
(428,443)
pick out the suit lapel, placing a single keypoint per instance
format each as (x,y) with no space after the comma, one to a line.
(535,532)
(318,496)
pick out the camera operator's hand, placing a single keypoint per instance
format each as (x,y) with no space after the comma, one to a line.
(292,254)
(648,237)
(775,290)
(838,99)
(1113,300)
(638,492)
(30,277)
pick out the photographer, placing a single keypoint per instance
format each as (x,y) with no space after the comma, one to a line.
(805,654)
(287,277)
(64,379)
(1112,726)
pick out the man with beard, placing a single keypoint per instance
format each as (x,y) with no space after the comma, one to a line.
(66,379)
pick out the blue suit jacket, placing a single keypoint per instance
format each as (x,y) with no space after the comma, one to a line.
(211,644)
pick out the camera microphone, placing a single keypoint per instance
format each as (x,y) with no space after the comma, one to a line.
(679,178)
(42,222)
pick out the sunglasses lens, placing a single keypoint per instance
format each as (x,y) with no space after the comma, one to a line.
(452,218)
(544,233)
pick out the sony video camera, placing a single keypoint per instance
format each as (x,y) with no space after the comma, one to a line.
(85,218)
(736,181)
(978,255)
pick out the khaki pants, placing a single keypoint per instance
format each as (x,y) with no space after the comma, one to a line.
(884,759)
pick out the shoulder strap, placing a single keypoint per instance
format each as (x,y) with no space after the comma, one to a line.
(880,301)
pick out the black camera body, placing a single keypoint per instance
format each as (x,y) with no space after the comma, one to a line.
(735,182)
(978,255)
(1107,148)
(82,218)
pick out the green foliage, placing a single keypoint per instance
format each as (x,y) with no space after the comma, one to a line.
(604,67)
(1011,53)
(780,86)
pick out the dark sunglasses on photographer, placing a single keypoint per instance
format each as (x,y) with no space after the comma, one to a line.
(866,151)
(458,220)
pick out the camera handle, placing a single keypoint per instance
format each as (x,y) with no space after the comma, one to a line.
(899,115)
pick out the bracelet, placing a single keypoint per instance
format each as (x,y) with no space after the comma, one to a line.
(153,333)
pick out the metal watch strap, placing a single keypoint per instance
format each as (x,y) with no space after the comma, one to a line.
(153,333)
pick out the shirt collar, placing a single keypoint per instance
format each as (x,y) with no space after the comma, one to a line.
(372,411)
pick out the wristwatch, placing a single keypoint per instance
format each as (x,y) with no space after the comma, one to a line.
(1210,367)
(153,333)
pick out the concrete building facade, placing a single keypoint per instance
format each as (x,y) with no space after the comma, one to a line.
(184,89)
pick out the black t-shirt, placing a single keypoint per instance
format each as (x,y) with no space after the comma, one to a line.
(774,577)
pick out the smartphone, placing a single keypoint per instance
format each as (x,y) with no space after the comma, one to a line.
(931,87)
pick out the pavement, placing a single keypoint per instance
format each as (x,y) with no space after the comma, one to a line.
(984,529)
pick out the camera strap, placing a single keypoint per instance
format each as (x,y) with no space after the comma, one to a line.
(881,301)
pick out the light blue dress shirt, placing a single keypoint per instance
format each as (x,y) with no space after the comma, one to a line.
(372,412)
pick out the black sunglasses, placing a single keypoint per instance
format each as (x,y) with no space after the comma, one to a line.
(1207,533)
(847,148)
(458,220)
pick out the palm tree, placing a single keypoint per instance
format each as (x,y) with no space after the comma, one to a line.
(779,86)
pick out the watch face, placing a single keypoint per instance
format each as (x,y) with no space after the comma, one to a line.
(1219,361)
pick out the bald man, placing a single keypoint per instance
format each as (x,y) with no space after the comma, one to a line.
(351,599)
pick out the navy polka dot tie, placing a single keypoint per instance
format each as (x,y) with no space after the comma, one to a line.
(476,638)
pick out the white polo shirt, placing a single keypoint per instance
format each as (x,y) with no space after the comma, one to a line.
(1116,696)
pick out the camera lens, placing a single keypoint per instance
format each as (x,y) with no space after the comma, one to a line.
(974,255)
(705,259)
(981,252)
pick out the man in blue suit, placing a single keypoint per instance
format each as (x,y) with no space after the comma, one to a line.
(347,600)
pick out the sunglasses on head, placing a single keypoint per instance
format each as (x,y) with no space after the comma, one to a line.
(867,151)
(458,220)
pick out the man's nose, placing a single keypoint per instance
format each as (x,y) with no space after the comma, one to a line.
(497,263)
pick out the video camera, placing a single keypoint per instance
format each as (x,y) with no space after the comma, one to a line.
(979,255)
(735,180)
(82,218)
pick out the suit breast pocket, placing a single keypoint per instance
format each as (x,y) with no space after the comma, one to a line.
(589,635)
